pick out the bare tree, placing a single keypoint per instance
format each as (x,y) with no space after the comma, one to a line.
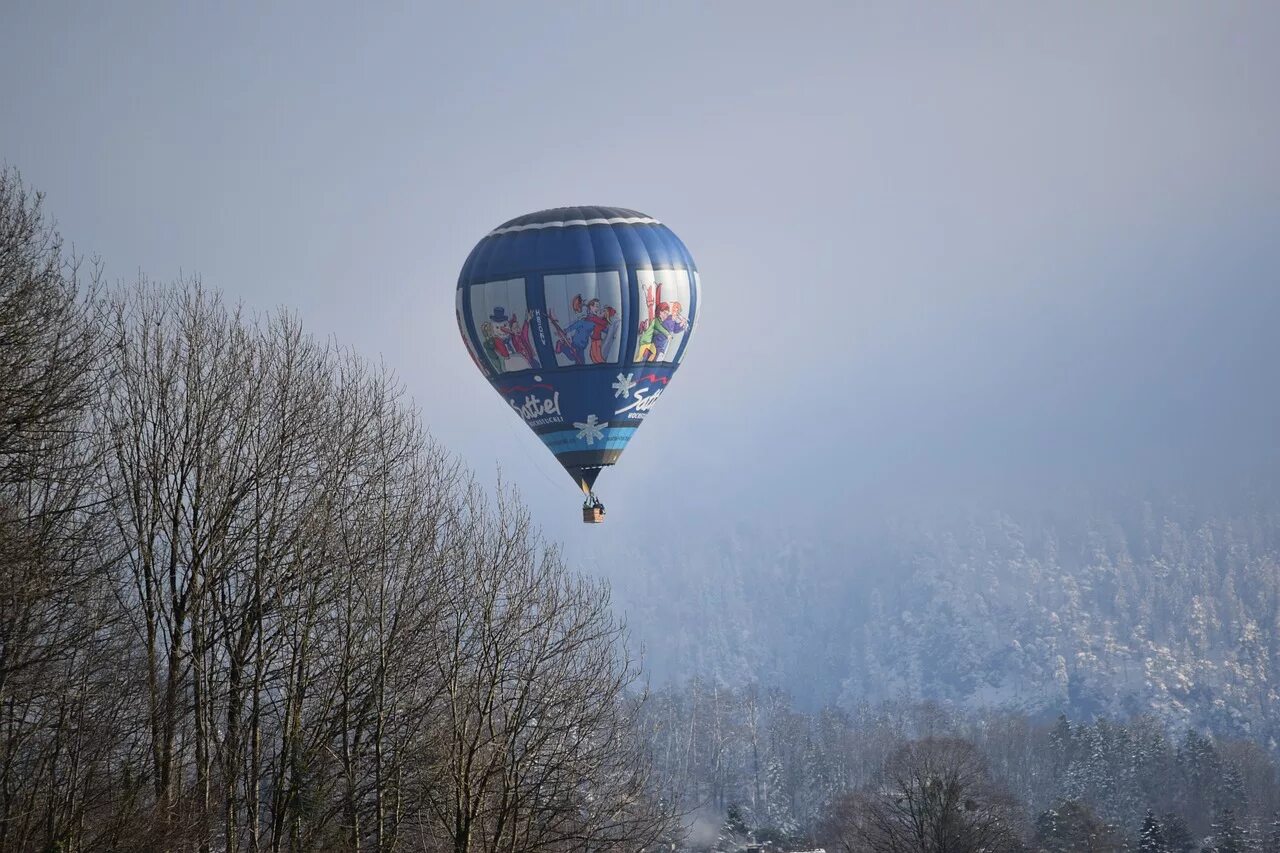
(934,795)
(387,562)
(537,746)
(55,641)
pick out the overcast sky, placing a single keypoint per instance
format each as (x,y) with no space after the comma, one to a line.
(941,245)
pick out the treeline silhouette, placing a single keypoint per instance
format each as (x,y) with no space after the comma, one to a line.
(246,602)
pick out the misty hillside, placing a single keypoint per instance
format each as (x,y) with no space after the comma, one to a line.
(1157,611)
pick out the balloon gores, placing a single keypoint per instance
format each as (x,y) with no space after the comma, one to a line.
(579,317)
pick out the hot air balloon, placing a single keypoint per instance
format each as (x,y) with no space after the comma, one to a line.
(579,317)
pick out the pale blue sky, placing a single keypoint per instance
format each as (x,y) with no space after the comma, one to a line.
(939,242)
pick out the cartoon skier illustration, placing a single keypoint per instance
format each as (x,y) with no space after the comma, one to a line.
(672,324)
(586,336)
(521,341)
(564,342)
(665,321)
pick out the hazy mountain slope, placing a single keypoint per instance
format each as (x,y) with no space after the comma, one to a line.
(1144,610)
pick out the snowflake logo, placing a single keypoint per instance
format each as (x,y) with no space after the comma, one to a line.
(622,388)
(592,429)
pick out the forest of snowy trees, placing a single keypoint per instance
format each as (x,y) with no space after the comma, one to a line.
(753,766)
(1163,609)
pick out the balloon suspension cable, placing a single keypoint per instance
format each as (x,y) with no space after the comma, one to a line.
(592,501)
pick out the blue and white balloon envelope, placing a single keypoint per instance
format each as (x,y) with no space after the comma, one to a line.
(579,317)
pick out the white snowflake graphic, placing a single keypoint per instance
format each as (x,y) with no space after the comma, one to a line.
(622,388)
(591,430)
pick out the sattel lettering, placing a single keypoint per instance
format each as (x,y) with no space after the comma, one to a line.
(534,407)
(643,401)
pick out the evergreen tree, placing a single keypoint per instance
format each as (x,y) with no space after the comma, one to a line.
(778,812)
(1177,836)
(1201,773)
(735,821)
(1072,827)
(1271,843)
(1228,836)
(734,832)
(1230,792)
(1060,745)
(1152,838)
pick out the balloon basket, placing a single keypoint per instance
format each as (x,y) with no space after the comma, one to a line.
(592,514)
